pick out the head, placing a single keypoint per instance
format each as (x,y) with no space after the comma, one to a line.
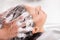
(26,30)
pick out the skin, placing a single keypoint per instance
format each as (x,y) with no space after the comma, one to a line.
(8,32)
(39,18)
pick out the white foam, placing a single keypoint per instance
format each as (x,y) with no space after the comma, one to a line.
(25,14)
(21,35)
(9,18)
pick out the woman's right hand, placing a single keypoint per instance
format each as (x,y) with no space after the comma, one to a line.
(8,31)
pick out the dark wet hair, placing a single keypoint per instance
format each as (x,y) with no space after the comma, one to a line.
(16,11)
(33,37)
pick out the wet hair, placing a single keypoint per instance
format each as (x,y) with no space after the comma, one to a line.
(16,11)
(33,37)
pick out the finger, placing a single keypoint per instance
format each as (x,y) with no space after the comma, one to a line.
(13,31)
(14,27)
(12,35)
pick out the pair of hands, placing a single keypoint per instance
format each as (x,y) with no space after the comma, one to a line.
(39,17)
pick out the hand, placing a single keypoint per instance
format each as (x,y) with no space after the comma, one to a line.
(39,18)
(8,31)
